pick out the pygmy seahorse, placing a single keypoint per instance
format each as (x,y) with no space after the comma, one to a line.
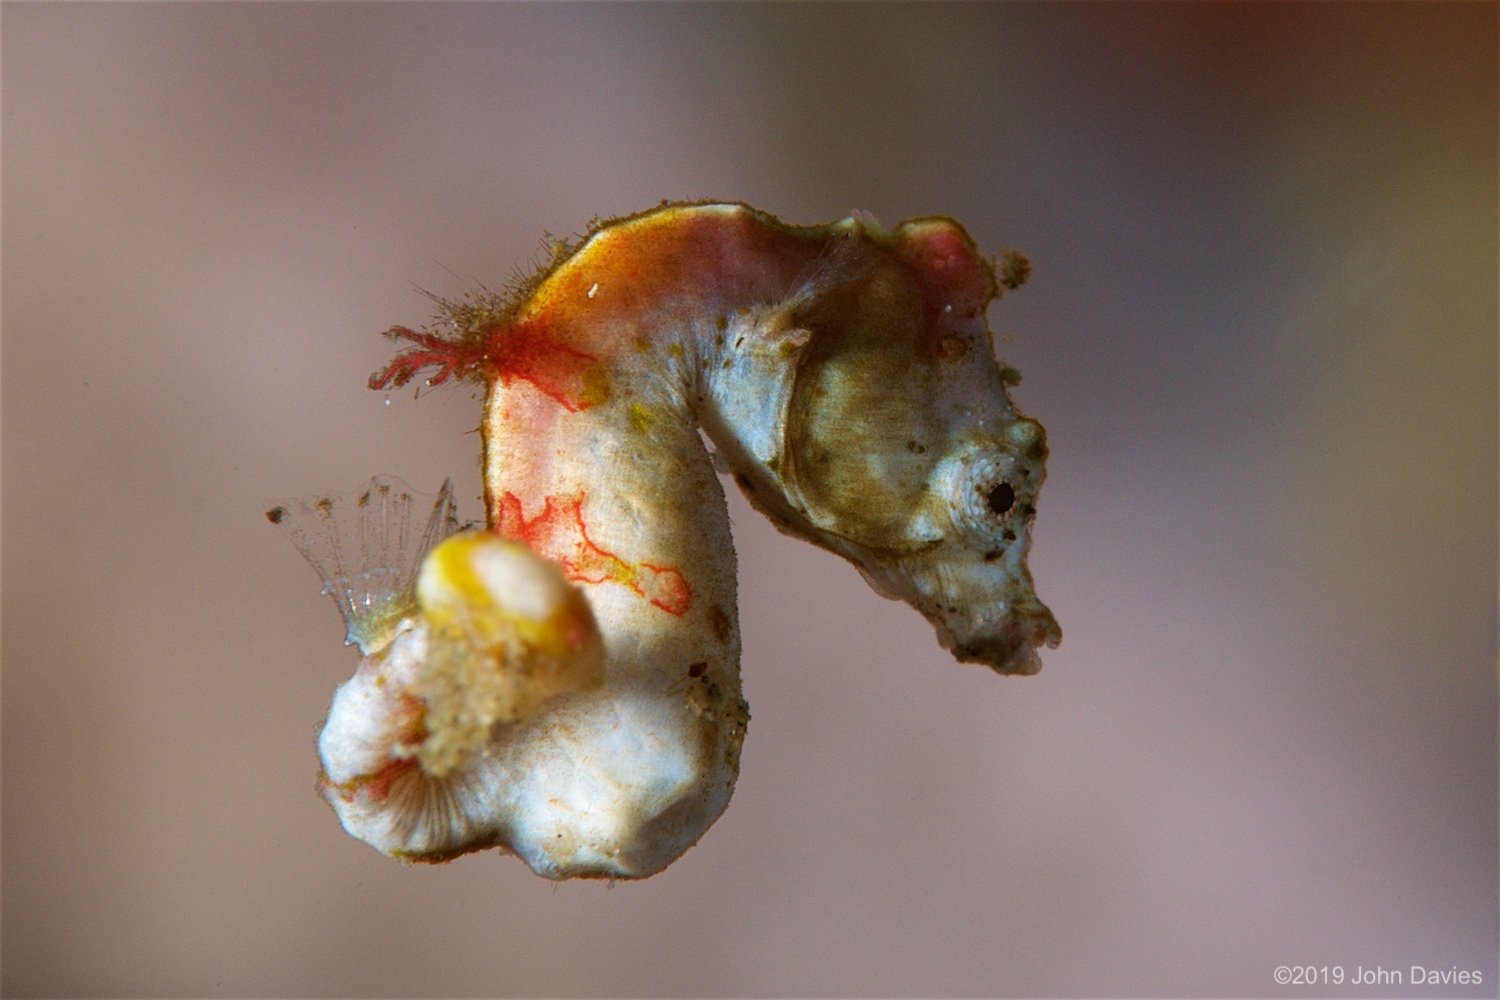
(564,683)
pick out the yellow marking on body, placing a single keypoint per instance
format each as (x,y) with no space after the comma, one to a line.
(506,634)
(595,386)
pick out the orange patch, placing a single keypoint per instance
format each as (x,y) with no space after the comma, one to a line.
(559,534)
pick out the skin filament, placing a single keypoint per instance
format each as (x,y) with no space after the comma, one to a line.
(564,683)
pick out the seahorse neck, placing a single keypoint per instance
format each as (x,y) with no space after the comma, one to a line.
(600,384)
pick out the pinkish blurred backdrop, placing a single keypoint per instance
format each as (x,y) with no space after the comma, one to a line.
(1261,332)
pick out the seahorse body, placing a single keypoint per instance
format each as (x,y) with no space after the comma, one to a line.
(846,377)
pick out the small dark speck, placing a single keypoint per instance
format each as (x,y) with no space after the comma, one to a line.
(697,669)
(993,554)
(915,449)
(275,514)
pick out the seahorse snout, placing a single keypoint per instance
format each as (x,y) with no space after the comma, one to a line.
(1009,646)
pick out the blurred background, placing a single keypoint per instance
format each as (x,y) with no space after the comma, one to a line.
(1261,333)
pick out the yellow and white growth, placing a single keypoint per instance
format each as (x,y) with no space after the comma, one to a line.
(564,683)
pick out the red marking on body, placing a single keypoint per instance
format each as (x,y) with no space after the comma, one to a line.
(376,785)
(412,712)
(527,351)
(558,533)
(956,284)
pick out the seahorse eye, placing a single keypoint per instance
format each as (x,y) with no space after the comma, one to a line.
(990,492)
(1001,498)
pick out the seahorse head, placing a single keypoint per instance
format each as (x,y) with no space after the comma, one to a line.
(901,449)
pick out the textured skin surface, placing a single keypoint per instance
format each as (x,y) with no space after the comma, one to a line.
(846,377)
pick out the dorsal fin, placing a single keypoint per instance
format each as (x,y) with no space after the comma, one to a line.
(367,548)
